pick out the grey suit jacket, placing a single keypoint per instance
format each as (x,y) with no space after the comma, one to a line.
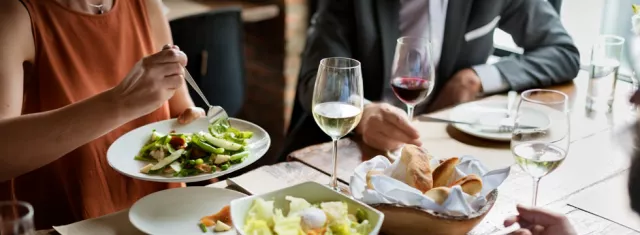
(366,30)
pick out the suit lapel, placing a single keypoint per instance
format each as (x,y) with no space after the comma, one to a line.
(454,30)
(389,27)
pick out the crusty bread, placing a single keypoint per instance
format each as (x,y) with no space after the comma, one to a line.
(438,194)
(414,168)
(470,184)
(369,174)
(444,171)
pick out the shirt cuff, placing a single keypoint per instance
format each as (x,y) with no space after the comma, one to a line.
(492,80)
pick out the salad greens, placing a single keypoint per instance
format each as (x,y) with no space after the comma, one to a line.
(304,218)
(187,154)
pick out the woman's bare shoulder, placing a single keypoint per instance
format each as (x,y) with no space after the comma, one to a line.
(15,28)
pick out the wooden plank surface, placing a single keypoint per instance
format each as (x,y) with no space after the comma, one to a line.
(251,12)
(274,177)
(593,140)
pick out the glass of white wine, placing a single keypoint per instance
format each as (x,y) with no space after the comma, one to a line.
(16,218)
(540,138)
(337,101)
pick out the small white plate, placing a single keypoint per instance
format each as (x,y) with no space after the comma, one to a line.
(179,210)
(121,153)
(491,112)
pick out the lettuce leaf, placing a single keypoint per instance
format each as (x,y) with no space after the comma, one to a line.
(362,228)
(287,225)
(261,210)
(338,216)
(296,205)
(257,227)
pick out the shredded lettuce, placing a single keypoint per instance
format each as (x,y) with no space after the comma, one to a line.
(287,225)
(338,216)
(257,227)
(296,204)
(261,210)
(262,219)
(362,228)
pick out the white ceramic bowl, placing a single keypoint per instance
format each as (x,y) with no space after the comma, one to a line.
(178,211)
(312,192)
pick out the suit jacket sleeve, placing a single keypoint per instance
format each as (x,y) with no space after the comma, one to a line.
(329,35)
(549,54)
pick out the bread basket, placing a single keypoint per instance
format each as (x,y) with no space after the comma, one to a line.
(403,220)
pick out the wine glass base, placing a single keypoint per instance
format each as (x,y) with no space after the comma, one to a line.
(341,189)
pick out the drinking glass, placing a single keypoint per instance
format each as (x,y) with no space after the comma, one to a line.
(16,218)
(337,101)
(603,72)
(413,72)
(540,138)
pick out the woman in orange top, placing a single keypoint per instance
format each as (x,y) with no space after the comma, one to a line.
(74,76)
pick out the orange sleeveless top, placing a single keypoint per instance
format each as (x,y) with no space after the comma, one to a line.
(78,56)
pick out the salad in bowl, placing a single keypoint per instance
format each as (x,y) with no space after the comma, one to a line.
(304,209)
(305,218)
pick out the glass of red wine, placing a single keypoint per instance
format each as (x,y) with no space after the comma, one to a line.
(413,71)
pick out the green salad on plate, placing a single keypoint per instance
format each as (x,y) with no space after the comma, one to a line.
(188,154)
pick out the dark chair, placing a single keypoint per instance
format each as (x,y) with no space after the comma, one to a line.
(557,5)
(213,42)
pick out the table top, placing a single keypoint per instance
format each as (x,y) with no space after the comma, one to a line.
(251,12)
(592,137)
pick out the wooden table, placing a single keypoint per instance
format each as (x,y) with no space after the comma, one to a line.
(251,12)
(592,137)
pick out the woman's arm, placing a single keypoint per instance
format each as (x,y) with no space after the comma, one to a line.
(32,141)
(161,33)
(28,142)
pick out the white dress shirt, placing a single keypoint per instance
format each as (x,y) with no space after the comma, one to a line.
(426,18)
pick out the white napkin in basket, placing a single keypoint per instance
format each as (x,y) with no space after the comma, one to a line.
(388,190)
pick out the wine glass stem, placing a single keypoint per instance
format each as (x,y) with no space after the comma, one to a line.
(536,182)
(334,176)
(410,112)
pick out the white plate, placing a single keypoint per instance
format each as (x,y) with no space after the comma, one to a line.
(491,112)
(179,210)
(121,153)
(312,192)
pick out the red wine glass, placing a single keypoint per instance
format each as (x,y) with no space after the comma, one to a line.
(413,71)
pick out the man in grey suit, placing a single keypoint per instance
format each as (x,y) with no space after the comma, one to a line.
(462,35)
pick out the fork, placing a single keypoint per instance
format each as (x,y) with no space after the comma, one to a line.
(488,128)
(213,112)
(511,100)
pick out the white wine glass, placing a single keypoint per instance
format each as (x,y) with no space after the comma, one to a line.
(540,138)
(337,102)
(16,218)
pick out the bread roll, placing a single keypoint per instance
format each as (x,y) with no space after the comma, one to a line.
(369,174)
(470,184)
(414,168)
(444,171)
(438,194)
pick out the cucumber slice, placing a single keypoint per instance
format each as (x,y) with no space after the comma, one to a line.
(168,160)
(175,166)
(228,145)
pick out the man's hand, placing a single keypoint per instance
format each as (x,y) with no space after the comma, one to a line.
(464,86)
(535,221)
(386,127)
(191,114)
